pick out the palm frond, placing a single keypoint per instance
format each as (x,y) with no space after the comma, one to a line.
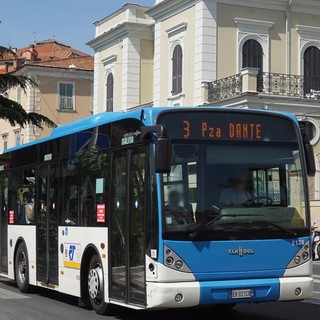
(39,120)
(12,112)
(16,115)
(9,80)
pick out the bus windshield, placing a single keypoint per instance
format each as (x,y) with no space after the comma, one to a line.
(250,187)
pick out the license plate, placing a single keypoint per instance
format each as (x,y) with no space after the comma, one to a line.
(242,294)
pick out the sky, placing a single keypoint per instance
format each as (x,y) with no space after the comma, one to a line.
(69,21)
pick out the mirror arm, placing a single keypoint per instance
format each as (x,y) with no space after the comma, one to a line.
(160,130)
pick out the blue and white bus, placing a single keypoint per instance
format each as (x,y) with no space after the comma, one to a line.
(161,208)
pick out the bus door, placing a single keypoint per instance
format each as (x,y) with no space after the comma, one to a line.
(47,225)
(127,227)
(4,223)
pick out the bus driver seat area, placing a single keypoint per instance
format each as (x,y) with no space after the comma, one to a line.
(175,212)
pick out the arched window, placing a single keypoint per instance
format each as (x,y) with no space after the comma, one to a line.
(311,69)
(177,70)
(252,56)
(110,89)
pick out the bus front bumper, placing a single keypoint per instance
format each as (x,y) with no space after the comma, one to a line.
(192,294)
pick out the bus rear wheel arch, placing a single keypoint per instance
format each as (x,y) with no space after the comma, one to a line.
(21,268)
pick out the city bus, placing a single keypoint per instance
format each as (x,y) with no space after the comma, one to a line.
(161,208)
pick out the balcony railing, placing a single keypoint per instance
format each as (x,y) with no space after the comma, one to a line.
(273,84)
(278,84)
(225,88)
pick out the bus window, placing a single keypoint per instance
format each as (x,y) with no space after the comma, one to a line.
(69,196)
(22,196)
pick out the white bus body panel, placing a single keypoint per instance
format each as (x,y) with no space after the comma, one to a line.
(75,240)
(28,234)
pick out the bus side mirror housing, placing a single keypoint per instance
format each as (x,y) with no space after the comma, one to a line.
(163,155)
(308,149)
(163,150)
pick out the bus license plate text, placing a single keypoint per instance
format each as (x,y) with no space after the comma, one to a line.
(242,294)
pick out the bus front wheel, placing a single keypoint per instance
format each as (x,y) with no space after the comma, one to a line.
(22,268)
(96,286)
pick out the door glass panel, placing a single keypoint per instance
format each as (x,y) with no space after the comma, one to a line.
(4,223)
(136,232)
(42,225)
(47,226)
(118,226)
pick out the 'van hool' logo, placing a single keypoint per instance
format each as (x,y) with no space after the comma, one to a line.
(240,251)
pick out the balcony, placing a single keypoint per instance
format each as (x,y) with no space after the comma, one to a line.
(249,81)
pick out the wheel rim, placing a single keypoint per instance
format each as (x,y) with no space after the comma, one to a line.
(22,267)
(95,284)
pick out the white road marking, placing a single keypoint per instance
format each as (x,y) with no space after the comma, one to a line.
(9,295)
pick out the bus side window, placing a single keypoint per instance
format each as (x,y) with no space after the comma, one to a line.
(69,196)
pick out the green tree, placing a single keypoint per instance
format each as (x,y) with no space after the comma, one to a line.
(11,110)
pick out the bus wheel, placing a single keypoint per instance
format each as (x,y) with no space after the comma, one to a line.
(22,268)
(96,286)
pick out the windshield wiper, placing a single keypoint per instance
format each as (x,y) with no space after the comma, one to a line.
(202,228)
(277,226)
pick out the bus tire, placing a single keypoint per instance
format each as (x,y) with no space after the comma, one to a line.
(21,268)
(96,286)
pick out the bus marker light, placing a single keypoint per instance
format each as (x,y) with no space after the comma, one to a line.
(168,252)
(179,298)
(104,255)
(102,245)
(32,267)
(62,272)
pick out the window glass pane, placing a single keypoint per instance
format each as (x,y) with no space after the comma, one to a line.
(66,93)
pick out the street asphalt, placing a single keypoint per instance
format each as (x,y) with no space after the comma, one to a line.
(48,305)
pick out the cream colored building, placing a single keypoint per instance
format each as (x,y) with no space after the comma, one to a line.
(261,54)
(63,94)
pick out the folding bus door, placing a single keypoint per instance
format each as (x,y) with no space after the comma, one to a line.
(4,223)
(47,225)
(127,229)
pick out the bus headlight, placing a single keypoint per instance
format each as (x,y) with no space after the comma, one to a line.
(179,264)
(170,261)
(302,256)
(173,261)
(297,259)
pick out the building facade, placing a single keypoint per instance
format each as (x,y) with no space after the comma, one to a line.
(261,54)
(63,94)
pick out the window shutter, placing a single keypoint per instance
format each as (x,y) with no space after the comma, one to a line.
(110,92)
(177,70)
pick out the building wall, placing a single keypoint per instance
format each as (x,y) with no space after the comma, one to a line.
(146,71)
(166,43)
(103,68)
(44,100)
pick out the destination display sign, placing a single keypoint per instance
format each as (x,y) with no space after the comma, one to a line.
(228,126)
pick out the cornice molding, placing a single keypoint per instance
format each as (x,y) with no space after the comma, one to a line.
(169,8)
(109,60)
(117,34)
(307,29)
(261,24)
(181,27)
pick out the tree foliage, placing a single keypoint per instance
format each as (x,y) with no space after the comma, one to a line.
(11,110)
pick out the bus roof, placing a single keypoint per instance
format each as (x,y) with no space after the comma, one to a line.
(147,114)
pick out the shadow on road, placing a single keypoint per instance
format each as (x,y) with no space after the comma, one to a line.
(266,311)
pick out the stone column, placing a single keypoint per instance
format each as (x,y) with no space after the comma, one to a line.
(249,79)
